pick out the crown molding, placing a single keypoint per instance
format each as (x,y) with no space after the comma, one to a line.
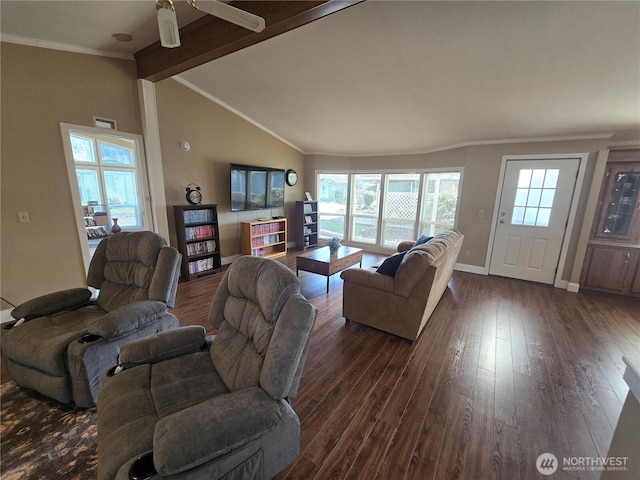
(34,42)
(502,141)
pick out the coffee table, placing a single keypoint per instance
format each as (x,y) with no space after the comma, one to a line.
(323,262)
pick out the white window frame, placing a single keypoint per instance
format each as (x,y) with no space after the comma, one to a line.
(142,179)
(378,246)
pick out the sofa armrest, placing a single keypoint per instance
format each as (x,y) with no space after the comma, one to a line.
(164,345)
(368,278)
(127,319)
(52,303)
(210,429)
(405,245)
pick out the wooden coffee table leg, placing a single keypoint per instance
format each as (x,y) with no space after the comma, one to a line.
(328,277)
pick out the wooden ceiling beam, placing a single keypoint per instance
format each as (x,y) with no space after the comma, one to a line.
(209,37)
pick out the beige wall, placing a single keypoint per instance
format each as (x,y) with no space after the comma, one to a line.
(41,88)
(481,174)
(218,138)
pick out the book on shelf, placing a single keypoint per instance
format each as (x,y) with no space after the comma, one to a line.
(266,228)
(201,247)
(202,231)
(308,219)
(199,266)
(198,216)
(265,240)
(96,232)
(308,208)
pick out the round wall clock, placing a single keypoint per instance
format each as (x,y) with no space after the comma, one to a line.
(291,177)
(194,196)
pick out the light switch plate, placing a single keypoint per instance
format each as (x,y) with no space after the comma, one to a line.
(23,217)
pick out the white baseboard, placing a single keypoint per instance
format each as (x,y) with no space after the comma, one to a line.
(463,267)
(573,287)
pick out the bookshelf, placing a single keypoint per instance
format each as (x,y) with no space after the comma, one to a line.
(264,238)
(306,224)
(198,240)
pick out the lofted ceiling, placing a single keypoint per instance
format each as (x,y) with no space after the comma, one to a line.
(397,76)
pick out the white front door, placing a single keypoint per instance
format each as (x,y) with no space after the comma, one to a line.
(532,218)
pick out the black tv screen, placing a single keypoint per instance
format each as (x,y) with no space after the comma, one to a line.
(256,188)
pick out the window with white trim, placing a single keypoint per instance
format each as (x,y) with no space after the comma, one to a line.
(383,208)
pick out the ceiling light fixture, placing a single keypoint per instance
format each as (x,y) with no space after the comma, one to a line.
(167,24)
(230,14)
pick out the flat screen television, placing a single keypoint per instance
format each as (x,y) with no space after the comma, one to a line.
(256,188)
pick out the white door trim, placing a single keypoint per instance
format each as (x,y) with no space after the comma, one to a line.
(582,157)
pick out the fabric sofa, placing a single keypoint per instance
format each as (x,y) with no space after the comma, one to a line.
(402,304)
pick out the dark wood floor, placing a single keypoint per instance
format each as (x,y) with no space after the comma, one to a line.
(505,370)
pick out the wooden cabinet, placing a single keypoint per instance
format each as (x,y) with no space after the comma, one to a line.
(306,224)
(612,260)
(612,268)
(264,238)
(198,240)
(618,215)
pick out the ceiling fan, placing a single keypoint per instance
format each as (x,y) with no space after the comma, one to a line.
(168,23)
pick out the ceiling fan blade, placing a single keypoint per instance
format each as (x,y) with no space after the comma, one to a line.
(230,14)
(167,24)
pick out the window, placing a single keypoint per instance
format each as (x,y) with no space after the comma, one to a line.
(534,197)
(382,209)
(439,202)
(400,208)
(332,204)
(365,208)
(107,176)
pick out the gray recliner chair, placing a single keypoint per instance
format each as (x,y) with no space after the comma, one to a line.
(183,406)
(69,341)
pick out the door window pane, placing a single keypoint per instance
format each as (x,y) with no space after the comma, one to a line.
(537,200)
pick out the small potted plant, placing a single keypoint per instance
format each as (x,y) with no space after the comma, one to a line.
(334,244)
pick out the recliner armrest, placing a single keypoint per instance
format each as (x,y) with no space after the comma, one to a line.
(210,429)
(52,303)
(164,345)
(127,318)
(368,278)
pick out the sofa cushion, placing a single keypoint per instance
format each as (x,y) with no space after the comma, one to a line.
(421,240)
(391,264)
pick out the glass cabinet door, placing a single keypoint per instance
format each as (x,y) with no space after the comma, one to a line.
(620,213)
(622,203)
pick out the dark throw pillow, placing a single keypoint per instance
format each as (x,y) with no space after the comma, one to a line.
(391,264)
(421,240)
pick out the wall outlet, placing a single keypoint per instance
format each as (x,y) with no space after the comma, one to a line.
(481,214)
(467,253)
(23,217)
